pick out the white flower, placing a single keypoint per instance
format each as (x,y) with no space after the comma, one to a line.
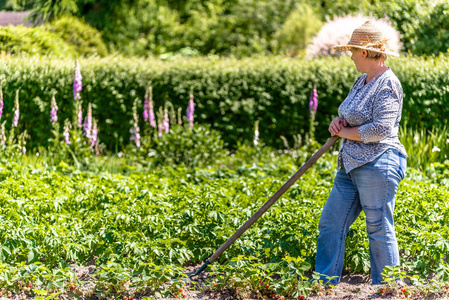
(416,139)
(436,149)
(256,137)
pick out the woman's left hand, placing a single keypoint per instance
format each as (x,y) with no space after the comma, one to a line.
(336,125)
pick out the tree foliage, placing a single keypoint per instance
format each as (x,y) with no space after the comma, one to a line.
(238,27)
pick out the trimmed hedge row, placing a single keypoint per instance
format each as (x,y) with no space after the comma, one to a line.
(229,94)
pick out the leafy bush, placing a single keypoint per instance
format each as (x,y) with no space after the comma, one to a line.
(230,95)
(299,28)
(193,147)
(423,24)
(20,39)
(84,38)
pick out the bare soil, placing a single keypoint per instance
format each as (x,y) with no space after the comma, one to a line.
(351,286)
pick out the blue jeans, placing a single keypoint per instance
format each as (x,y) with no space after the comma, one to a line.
(371,187)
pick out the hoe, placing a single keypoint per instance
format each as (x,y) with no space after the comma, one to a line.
(267,205)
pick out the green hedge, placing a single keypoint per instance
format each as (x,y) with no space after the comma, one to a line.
(229,94)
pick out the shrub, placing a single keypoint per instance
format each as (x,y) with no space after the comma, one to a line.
(84,38)
(230,95)
(339,31)
(194,147)
(422,23)
(20,39)
(299,28)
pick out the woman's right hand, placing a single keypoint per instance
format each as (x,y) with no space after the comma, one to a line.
(336,124)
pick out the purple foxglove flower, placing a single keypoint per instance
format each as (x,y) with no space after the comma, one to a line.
(146,109)
(54,108)
(1,102)
(190,110)
(24,150)
(77,83)
(166,121)
(313,100)
(151,115)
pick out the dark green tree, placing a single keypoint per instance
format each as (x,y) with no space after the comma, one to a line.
(49,10)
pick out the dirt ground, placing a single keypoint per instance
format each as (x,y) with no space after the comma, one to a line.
(352,286)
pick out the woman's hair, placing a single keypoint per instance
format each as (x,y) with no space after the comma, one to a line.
(372,54)
(376,55)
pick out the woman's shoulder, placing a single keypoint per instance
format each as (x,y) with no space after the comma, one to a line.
(391,78)
(390,82)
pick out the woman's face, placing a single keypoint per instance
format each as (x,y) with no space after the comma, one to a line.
(358,57)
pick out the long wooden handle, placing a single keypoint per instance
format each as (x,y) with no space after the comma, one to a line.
(273,199)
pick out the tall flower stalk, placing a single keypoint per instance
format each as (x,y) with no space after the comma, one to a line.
(66,132)
(77,88)
(161,122)
(256,134)
(80,115)
(190,110)
(54,109)
(2,134)
(313,105)
(166,121)
(88,123)
(77,83)
(1,100)
(15,121)
(94,137)
(135,130)
(148,108)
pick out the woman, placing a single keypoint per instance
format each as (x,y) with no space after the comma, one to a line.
(371,162)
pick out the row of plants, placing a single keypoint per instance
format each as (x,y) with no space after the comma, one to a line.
(142,228)
(230,95)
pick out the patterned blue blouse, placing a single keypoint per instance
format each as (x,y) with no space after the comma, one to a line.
(377,108)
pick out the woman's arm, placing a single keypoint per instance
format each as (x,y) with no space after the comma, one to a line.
(349,133)
(339,127)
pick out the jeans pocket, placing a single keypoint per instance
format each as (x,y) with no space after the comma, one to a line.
(398,162)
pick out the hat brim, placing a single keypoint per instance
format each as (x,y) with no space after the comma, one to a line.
(348,47)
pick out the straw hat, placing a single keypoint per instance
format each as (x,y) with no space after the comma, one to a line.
(369,37)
